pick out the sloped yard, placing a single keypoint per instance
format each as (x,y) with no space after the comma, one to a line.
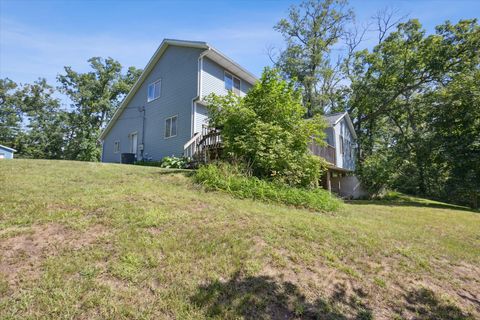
(86,241)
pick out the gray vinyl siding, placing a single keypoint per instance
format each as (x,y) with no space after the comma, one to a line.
(201,117)
(330,138)
(130,121)
(177,68)
(345,159)
(213,79)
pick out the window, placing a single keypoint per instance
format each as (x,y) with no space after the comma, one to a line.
(154,90)
(236,86)
(232,83)
(228,81)
(116,147)
(171,127)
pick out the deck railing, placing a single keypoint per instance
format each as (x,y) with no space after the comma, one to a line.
(207,142)
(190,148)
(203,145)
(327,152)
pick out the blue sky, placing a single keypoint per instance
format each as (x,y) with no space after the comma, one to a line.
(39,37)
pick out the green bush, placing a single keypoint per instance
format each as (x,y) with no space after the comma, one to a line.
(167,162)
(267,131)
(234,181)
(174,162)
(375,174)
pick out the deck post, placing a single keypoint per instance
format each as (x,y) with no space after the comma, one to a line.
(329,182)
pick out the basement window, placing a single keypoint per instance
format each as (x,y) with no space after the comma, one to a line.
(171,127)
(154,90)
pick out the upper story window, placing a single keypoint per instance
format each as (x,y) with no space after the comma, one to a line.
(232,83)
(171,127)
(154,90)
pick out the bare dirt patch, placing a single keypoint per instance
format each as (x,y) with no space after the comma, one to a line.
(21,255)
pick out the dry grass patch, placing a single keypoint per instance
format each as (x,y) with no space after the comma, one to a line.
(22,254)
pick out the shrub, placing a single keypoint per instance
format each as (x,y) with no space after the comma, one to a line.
(167,162)
(174,162)
(267,131)
(375,174)
(234,181)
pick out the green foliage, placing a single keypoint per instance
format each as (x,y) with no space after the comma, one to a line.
(267,131)
(174,162)
(235,181)
(10,113)
(31,119)
(415,104)
(310,31)
(95,96)
(456,133)
(375,173)
(167,162)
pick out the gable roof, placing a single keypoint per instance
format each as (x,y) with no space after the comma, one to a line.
(7,148)
(334,118)
(210,52)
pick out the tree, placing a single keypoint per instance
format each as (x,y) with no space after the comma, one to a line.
(31,119)
(267,131)
(95,96)
(398,91)
(45,124)
(455,124)
(10,113)
(310,31)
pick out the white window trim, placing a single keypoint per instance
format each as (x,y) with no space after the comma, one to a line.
(130,141)
(171,117)
(115,143)
(148,87)
(233,82)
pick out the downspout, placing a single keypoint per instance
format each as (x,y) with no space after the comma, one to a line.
(142,110)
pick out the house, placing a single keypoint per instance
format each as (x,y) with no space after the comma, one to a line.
(165,114)
(6,152)
(340,155)
(165,107)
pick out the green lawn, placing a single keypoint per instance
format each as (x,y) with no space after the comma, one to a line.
(89,240)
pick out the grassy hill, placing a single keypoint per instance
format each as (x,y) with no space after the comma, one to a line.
(89,240)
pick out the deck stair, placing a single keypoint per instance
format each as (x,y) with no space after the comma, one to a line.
(203,147)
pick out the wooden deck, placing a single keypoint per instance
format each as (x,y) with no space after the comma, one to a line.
(327,152)
(206,146)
